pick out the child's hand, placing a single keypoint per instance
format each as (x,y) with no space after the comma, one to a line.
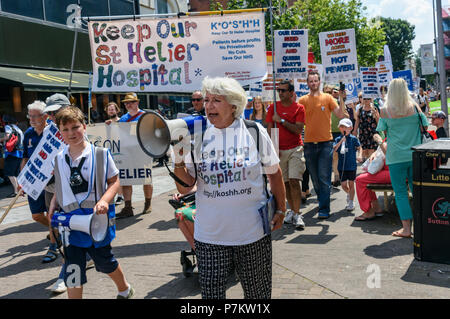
(101,207)
(359,159)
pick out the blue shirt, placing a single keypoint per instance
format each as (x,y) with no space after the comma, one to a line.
(347,161)
(126,117)
(30,142)
(247,113)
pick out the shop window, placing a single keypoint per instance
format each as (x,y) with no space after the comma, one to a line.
(121,7)
(162,6)
(59,11)
(28,8)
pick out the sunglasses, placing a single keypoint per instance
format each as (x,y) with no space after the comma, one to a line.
(196,100)
(34,116)
(282,90)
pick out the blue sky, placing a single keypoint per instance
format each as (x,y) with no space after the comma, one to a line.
(417,12)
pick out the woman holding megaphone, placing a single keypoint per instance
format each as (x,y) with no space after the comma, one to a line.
(232,230)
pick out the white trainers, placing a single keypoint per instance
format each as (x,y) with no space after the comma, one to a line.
(59,286)
(289,216)
(90,264)
(350,206)
(297,220)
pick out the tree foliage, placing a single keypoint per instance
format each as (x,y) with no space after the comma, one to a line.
(399,36)
(320,16)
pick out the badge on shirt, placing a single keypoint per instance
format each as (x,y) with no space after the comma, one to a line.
(323,108)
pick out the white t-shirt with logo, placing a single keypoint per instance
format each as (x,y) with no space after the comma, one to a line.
(230,185)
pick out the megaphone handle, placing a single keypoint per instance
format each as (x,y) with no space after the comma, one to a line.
(177,179)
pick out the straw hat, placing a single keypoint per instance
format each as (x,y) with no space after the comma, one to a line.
(130,97)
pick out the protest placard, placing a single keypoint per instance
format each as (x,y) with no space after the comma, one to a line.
(135,167)
(301,87)
(39,168)
(369,82)
(407,76)
(352,91)
(291,53)
(176,54)
(339,58)
(427,58)
(385,70)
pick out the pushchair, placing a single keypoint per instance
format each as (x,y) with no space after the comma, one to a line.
(185,213)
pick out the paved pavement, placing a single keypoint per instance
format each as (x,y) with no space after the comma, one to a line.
(336,258)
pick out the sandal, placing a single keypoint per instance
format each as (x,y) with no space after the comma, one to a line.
(50,256)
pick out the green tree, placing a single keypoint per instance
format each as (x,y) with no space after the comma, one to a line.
(320,16)
(399,36)
(328,15)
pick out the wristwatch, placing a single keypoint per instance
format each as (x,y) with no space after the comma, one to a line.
(279,211)
(282,121)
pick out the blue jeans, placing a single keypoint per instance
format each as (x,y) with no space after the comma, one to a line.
(399,173)
(319,160)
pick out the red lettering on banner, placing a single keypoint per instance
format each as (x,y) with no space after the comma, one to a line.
(336,41)
(43,154)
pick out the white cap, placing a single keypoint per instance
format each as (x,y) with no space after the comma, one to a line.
(346,122)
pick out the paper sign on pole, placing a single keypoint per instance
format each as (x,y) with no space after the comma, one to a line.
(291,53)
(339,58)
(352,91)
(384,73)
(39,168)
(135,167)
(176,54)
(427,58)
(369,82)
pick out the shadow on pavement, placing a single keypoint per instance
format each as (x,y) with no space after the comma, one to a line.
(428,274)
(30,292)
(393,248)
(148,249)
(26,228)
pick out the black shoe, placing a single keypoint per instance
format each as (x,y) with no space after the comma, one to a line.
(11,195)
(125,213)
(119,200)
(188,268)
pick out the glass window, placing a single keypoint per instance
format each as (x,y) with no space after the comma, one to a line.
(162,6)
(121,7)
(59,10)
(91,8)
(28,8)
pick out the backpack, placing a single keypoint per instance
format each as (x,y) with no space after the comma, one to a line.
(13,142)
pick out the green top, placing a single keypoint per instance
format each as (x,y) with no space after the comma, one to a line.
(402,134)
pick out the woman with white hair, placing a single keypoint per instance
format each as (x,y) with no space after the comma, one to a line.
(400,118)
(228,230)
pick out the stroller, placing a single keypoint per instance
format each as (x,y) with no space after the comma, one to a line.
(185,210)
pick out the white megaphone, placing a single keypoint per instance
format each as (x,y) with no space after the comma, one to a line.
(155,134)
(95,225)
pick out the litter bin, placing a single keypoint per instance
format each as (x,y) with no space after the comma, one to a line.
(431,193)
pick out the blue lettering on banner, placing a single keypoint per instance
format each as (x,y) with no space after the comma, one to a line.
(407,76)
(134,173)
(234,24)
(340,68)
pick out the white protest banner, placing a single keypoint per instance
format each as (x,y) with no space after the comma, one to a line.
(255,89)
(176,54)
(339,58)
(39,169)
(291,53)
(369,82)
(301,87)
(135,167)
(385,70)
(427,58)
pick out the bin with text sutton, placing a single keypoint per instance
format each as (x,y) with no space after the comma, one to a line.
(431,192)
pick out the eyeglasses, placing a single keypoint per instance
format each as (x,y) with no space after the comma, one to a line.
(34,116)
(52,113)
(196,100)
(282,90)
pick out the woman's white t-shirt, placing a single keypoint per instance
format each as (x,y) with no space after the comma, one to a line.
(230,185)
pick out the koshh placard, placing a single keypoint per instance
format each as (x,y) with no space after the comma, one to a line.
(176,54)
